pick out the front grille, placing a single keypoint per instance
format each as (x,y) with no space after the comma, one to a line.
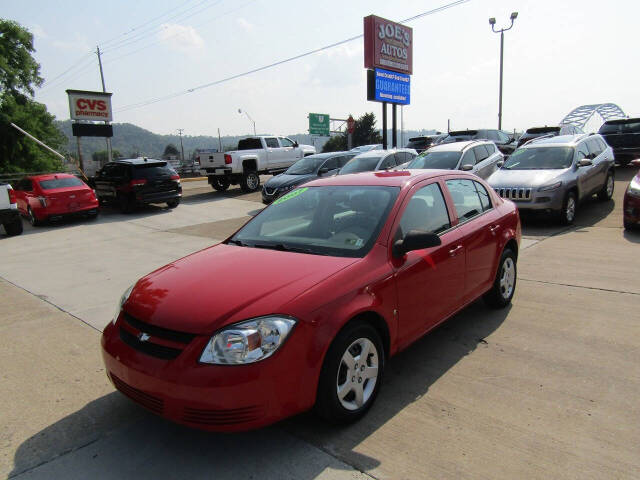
(145,399)
(522,194)
(165,333)
(150,348)
(222,417)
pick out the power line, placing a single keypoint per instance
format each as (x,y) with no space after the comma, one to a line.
(280,62)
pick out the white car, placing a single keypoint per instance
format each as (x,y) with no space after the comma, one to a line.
(378,160)
(480,157)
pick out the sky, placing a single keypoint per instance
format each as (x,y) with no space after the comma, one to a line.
(557,56)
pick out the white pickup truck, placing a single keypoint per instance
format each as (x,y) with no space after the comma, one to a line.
(9,215)
(254,156)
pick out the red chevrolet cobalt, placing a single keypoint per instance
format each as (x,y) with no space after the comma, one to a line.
(303,305)
(44,197)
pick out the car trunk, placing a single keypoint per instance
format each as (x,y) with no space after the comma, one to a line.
(69,199)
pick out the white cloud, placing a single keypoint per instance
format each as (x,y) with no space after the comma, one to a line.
(38,31)
(181,37)
(248,27)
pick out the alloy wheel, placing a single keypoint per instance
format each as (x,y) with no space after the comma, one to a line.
(610,184)
(252,181)
(570,209)
(357,374)
(507,278)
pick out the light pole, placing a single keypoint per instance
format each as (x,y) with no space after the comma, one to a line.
(240,111)
(492,22)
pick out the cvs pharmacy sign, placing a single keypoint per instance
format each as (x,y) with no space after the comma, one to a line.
(85,105)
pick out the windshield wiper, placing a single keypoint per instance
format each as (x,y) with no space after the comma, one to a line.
(287,248)
(238,242)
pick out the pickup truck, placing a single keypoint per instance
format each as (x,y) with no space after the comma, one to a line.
(255,156)
(9,215)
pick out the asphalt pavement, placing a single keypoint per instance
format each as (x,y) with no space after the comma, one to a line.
(547,388)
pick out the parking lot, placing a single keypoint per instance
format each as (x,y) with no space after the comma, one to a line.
(546,388)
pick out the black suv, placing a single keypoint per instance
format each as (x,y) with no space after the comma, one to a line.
(505,142)
(137,181)
(420,144)
(624,137)
(554,131)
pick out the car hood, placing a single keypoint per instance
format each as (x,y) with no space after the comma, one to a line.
(523,178)
(284,180)
(225,284)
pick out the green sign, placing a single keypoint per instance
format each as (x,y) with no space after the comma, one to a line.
(290,195)
(319,124)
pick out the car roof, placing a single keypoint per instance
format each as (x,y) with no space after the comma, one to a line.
(390,178)
(138,161)
(622,121)
(320,156)
(557,141)
(49,176)
(456,146)
(383,153)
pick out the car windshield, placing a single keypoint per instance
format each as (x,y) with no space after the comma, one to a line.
(540,158)
(305,166)
(446,160)
(366,164)
(341,221)
(60,183)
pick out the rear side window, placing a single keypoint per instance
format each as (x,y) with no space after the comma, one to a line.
(594,147)
(60,183)
(485,200)
(491,148)
(465,198)
(481,153)
(609,128)
(251,144)
(388,162)
(631,127)
(152,171)
(272,142)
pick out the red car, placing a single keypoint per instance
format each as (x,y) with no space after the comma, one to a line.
(631,203)
(53,196)
(303,305)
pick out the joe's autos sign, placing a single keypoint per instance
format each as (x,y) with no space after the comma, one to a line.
(387,45)
(85,105)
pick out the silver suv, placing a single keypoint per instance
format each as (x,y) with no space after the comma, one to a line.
(477,156)
(555,174)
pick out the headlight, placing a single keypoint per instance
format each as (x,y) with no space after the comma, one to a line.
(634,187)
(123,298)
(553,186)
(248,342)
(287,188)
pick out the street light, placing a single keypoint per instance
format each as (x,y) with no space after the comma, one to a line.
(240,111)
(492,22)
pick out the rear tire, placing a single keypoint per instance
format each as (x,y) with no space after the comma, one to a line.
(348,382)
(32,218)
(606,192)
(173,203)
(250,182)
(220,184)
(13,228)
(125,203)
(627,225)
(504,285)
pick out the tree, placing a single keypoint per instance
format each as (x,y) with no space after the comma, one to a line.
(18,69)
(364,133)
(19,73)
(169,150)
(102,156)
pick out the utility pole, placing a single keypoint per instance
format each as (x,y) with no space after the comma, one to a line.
(492,22)
(180,130)
(109,151)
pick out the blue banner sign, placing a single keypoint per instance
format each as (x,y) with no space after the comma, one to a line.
(391,87)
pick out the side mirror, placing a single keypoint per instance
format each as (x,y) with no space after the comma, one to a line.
(295,144)
(415,240)
(499,163)
(585,162)
(466,167)
(323,171)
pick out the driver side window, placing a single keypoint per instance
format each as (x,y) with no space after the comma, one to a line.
(426,211)
(286,142)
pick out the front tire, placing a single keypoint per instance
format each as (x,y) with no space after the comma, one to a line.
(250,182)
(351,374)
(504,285)
(173,203)
(569,207)
(606,192)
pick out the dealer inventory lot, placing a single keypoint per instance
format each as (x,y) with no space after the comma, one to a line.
(547,389)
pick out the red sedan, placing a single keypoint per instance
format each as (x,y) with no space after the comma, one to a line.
(52,196)
(631,202)
(303,305)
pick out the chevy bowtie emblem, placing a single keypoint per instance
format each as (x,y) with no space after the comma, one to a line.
(144,337)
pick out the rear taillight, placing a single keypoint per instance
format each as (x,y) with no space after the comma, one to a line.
(43,201)
(12,196)
(227,159)
(175,177)
(138,182)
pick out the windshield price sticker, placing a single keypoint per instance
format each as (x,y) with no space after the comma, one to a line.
(291,195)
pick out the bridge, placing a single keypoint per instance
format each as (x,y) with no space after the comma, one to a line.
(581,115)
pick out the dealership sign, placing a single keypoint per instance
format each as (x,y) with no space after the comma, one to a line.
(387,45)
(95,106)
(388,86)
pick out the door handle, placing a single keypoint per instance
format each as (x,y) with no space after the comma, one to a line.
(493,229)
(454,251)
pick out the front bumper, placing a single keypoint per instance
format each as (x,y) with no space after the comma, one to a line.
(631,208)
(209,397)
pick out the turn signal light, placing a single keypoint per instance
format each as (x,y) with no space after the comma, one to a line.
(227,159)
(175,177)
